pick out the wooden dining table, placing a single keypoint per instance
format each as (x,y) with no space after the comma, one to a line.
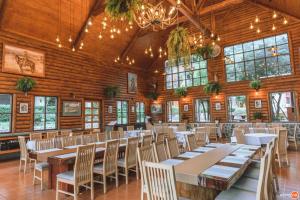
(206,171)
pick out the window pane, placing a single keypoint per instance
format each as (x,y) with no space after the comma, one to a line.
(237,109)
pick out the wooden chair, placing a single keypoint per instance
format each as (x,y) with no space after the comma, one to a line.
(160,181)
(114,135)
(191,142)
(212,133)
(130,128)
(201,136)
(281,148)
(36,136)
(24,157)
(293,138)
(109,166)
(82,173)
(159,151)
(146,140)
(129,161)
(172,147)
(52,134)
(144,154)
(239,135)
(159,137)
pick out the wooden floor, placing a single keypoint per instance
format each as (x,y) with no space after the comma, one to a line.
(16,186)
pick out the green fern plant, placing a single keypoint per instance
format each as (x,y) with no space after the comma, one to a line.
(179,47)
(212,87)
(255,84)
(25,84)
(118,9)
(204,52)
(180,92)
(111,91)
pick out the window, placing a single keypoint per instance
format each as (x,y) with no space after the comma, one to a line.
(237,108)
(122,112)
(177,77)
(202,113)
(5,113)
(173,111)
(45,113)
(140,112)
(267,57)
(283,106)
(92,114)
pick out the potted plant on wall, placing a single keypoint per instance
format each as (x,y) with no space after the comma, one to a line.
(121,9)
(111,91)
(255,84)
(25,84)
(205,52)
(257,116)
(179,47)
(181,92)
(212,87)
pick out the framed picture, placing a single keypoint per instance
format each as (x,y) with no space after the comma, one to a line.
(132,83)
(110,109)
(186,108)
(257,104)
(218,106)
(23,108)
(24,61)
(156,108)
(71,108)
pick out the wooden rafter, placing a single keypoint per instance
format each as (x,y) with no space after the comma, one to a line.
(219,6)
(96,9)
(3,4)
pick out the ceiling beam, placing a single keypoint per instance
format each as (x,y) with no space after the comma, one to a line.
(131,43)
(3,5)
(270,8)
(96,9)
(219,6)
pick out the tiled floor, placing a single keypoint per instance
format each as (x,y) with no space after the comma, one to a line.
(16,186)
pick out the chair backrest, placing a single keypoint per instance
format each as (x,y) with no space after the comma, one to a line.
(159,150)
(36,136)
(84,164)
(52,134)
(65,132)
(201,135)
(240,136)
(130,152)
(260,194)
(23,148)
(69,141)
(282,141)
(191,141)
(44,144)
(160,181)
(159,137)
(172,147)
(130,128)
(114,135)
(146,140)
(111,157)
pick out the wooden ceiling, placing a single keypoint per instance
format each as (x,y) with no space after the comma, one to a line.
(39,19)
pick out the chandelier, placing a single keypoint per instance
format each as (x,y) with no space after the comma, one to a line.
(156,16)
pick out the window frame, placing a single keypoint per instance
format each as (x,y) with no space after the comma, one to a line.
(127,114)
(195,110)
(138,112)
(45,113)
(92,115)
(11,113)
(228,112)
(289,43)
(167,112)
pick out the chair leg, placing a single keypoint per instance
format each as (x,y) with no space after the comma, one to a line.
(57,188)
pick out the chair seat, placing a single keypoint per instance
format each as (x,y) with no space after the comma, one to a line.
(69,175)
(248,184)
(252,172)
(41,166)
(121,162)
(98,169)
(236,194)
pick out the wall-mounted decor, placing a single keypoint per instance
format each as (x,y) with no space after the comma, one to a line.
(218,106)
(156,108)
(132,83)
(23,108)
(186,108)
(71,108)
(257,104)
(110,109)
(18,60)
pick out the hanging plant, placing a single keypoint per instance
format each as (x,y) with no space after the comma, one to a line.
(179,47)
(118,9)
(205,52)
(212,87)
(111,91)
(25,84)
(180,92)
(152,96)
(255,84)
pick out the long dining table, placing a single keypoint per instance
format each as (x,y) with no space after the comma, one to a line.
(202,173)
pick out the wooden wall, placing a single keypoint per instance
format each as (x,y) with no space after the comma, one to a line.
(233,27)
(69,75)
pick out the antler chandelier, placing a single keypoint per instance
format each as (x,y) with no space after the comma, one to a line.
(156,16)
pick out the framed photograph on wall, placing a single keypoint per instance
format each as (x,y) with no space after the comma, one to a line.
(110,109)
(23,108)
(156,108)
(218,106)
(132,83)
(71,108)
(186,108)
(257,104)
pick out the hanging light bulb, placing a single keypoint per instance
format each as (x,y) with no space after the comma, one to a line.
(256,19)
(273,27)
(251,26)
(285,21)
(274,16)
